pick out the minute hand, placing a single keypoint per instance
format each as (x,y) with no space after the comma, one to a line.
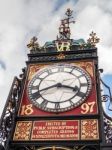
(49,87)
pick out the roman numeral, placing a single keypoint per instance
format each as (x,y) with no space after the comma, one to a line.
(60,69)
(80,94)
(34,87)
(84,84)
(49,71)
(80,76)
(57,105)
(36,95)
(44,104)
(71,70)
(71,103)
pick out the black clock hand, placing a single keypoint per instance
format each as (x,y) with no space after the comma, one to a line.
(49,87)
(59,85)
(37,94)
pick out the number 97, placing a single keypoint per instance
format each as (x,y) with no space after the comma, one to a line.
(87,107)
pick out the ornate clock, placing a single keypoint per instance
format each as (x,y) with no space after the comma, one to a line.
(59,88)
(55,104)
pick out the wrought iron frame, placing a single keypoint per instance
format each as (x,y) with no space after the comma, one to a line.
(107,121)
(10,111)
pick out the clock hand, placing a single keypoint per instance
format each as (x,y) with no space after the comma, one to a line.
(73,88)
(59,85)
(37,94)
(49,87)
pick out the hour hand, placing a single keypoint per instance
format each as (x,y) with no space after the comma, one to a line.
(76,88)
(59,85)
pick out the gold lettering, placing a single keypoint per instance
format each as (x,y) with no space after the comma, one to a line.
(27,110)
(87,107)
(64,46)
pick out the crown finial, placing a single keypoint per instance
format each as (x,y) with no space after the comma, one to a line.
(93,39)
(33,45)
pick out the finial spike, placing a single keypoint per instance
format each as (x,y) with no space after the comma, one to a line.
(93,39)
(33,45)
(64,29)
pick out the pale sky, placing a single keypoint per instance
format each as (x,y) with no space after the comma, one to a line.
(20,20)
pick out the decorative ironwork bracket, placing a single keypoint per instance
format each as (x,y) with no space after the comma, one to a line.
(10,111)
(106,97)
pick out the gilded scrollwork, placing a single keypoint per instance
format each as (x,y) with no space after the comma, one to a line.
(89,129)
(22,132)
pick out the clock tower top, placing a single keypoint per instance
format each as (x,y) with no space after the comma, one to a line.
(63,41)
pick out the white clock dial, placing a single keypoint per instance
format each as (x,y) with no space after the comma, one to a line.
(59,88)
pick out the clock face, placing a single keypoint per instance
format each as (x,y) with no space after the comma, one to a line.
(59,88)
